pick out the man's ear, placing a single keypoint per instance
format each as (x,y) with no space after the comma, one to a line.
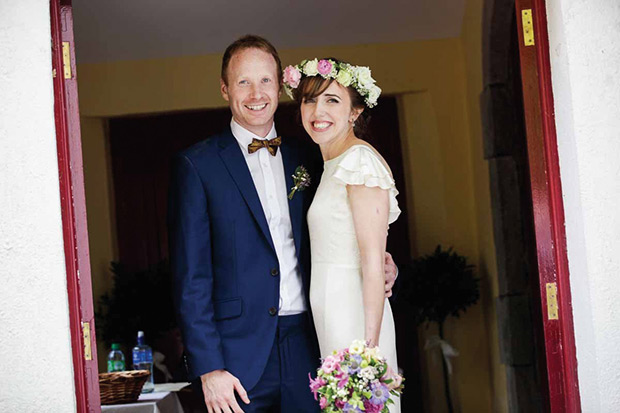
(224,89)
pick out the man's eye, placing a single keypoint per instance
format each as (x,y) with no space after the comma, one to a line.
(266,80)
(243,82)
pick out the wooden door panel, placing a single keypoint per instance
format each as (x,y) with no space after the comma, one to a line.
(547,206)
(73,208)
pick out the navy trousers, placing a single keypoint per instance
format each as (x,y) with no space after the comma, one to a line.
(284,385)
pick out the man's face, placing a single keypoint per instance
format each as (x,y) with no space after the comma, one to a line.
(253,90)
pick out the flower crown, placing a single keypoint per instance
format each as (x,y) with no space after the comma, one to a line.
(347,75)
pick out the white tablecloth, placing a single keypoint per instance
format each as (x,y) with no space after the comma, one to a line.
(156,402)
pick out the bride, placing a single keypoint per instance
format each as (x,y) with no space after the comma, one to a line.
(352,208)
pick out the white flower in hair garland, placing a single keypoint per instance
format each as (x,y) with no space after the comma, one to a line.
(358,77)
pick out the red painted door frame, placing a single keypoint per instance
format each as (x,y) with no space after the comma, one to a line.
(546,197)
(548,210)
(73,209)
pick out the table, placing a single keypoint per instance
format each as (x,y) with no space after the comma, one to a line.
(156,402)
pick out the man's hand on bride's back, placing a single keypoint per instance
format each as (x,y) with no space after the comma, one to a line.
(391,272)
(219,387)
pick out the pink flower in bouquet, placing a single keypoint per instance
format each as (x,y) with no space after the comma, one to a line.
(292,76)
(316,384)
(324,67)
(344,380)
(339,356)
(330,364)
(372,408)
(323,402)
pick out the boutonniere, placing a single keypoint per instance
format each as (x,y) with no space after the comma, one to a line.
(301,179)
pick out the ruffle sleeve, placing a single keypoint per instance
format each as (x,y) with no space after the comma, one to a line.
(362,166)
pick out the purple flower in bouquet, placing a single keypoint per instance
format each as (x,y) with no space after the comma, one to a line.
(380,393)
(350,408)
(354,363)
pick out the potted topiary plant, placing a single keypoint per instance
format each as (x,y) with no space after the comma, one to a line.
(437,286)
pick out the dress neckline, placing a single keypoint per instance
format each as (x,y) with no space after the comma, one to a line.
(344,153)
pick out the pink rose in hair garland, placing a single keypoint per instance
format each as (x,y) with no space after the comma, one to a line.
(292,76)
(325,67)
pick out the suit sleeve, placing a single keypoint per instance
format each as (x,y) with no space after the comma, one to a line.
(191,263)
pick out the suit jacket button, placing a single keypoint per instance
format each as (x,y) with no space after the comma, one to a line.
(275,272)
(273,311)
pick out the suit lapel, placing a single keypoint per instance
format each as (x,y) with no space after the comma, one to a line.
(238,168)
(290,159)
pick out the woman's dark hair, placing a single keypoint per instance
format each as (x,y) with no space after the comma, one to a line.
(312,86)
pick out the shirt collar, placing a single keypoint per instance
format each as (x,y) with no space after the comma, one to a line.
(244,136)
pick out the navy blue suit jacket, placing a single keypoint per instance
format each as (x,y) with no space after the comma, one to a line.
(226,272)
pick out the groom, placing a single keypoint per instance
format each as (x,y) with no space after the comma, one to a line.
(240,249)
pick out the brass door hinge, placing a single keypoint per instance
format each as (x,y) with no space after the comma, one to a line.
(66,59)
(528,27)
(88,352)
(552,302)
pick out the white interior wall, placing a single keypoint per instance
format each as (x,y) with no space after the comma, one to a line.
(585,61)
(36,372)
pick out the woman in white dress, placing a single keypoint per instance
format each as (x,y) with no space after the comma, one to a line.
(352,208)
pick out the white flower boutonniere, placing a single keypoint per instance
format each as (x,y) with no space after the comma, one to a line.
(301,179)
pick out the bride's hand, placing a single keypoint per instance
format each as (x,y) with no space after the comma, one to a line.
(397,379)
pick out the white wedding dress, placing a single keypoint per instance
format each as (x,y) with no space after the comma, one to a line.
(336,282)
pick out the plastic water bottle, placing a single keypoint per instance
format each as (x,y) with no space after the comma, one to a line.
(143,360)
(116,359)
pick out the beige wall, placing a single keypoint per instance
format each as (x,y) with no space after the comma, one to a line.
(447,178)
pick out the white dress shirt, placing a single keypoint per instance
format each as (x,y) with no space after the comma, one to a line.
(269,179)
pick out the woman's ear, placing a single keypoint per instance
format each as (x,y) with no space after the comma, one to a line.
(355,113)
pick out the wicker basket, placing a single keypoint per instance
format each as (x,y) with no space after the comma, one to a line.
(121,386)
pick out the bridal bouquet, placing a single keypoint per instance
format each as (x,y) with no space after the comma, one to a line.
(355,379)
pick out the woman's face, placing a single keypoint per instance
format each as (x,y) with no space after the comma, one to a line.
(327,117)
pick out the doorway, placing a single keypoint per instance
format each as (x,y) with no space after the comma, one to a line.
(445,125)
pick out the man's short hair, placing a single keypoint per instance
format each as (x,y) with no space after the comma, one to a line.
(250,41)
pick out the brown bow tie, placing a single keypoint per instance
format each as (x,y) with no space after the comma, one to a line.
(271,145)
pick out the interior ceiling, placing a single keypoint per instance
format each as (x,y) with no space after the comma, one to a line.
(114,30)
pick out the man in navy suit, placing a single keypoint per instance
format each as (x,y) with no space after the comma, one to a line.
(240,248)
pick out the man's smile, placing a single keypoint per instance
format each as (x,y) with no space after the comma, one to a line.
(256,107)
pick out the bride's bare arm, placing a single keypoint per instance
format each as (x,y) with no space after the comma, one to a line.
(370,208)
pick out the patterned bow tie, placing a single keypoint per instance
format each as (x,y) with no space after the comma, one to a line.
(271,145)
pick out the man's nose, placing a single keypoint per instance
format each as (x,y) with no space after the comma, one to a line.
(255,91)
